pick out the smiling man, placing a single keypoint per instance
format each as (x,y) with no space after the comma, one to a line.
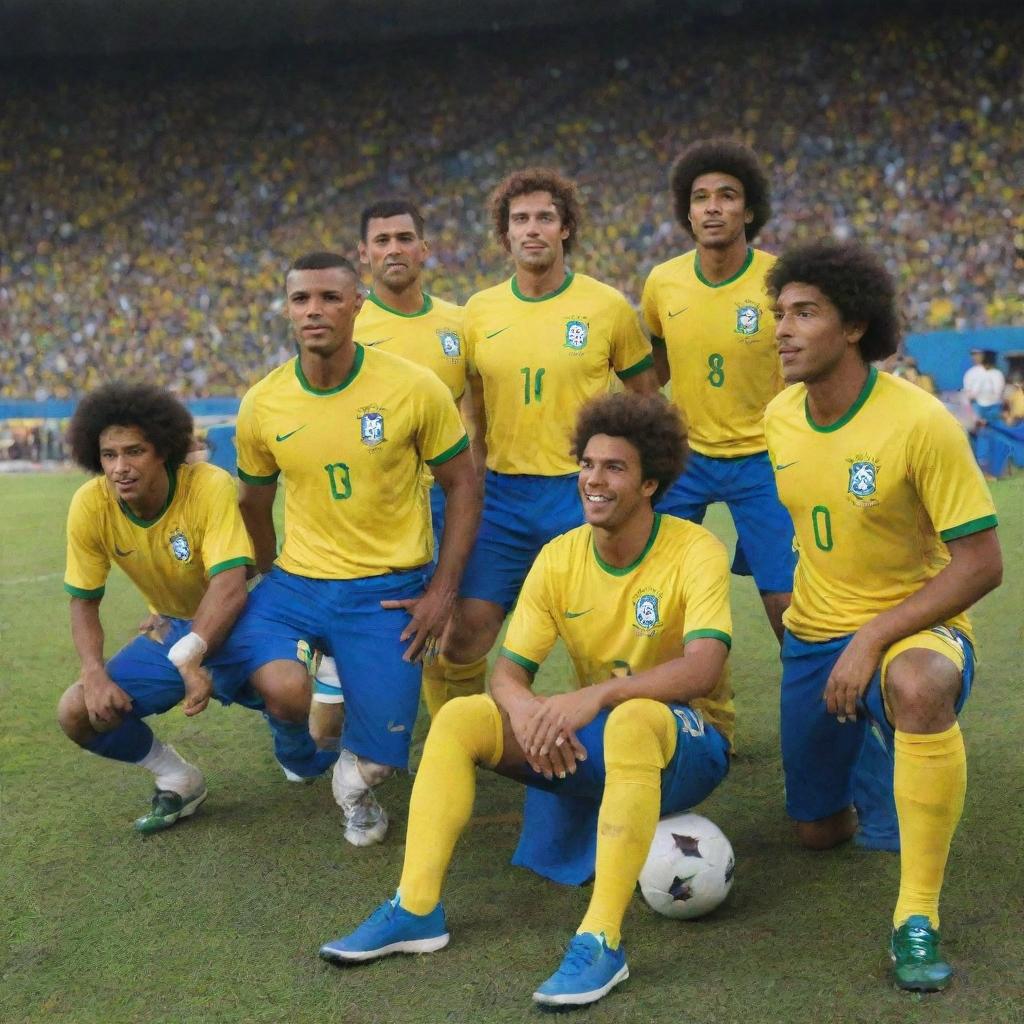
(713,337)
(896,535)
(175,530)
(538,347)
(352,429)
(641,602)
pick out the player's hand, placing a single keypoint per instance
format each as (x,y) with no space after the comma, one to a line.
(429,623)
(105,701)
(520,715)
(851,675)
(551,732)
(155,626)
(198,688)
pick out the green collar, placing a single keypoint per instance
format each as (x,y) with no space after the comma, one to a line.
(542,298)
(614,570)
(357,364)
(172,486)
(428,305)
(851,412)
(729,280)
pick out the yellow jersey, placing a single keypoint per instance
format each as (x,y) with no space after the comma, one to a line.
(433,337)
(618,622)
(873,497)
(720,343)
(198,533)
(541,359)
(352,459)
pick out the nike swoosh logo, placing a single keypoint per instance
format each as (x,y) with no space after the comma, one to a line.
(284,437)
(494,334)
(576,615)
(677,312)
(123,554)
(370,344)
(785,465)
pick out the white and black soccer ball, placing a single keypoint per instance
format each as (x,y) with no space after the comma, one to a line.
(689,870)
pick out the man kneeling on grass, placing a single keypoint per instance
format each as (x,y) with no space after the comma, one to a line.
(641,602)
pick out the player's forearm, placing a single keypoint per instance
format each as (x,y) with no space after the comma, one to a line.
(661,367)
(461,518)
(220,607)
(87,634)
(976,567)
(510,686)
(643,383)
(679,681)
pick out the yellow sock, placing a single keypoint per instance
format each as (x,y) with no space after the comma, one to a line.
(639,741)
(444,679)
(465,734)
(930,780)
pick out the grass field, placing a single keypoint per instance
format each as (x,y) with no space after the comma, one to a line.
(219,919)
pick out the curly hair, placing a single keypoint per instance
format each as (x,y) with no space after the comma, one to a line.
(392,207)
(725,157)
(166,423)
(648,422)
(854,280)
(564,194)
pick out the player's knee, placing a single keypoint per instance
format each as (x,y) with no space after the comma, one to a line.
(826,833)
(474,724)
(639,731)
(73,715)
(285,692)
(921,685)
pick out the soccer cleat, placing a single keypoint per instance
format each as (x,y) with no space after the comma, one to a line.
(170,807)
(291,776)
(916,964)
(588,972)
(390,929)
(366,822)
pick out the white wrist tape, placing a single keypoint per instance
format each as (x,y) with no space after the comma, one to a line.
(190,647)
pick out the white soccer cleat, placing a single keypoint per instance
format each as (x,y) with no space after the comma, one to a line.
(366,822)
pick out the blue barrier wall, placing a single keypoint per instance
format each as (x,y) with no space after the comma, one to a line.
(17,409)
(946,355)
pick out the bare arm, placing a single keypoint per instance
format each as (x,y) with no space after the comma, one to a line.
(661,367)
(975,568)
(256,503)
(104,699)
(220,607)
(643,383)
(475,416)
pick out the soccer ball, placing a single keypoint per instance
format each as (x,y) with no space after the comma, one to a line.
(689,870)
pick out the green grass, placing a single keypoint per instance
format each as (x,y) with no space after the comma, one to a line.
(220,919)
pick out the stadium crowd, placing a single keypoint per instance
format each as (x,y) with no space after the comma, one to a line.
(147,211)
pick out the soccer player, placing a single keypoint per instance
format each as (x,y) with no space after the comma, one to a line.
(398,316)
(538,347)
(175,530)
(351,429)
(713,337)
(896,533)
(984,385)
(641,601)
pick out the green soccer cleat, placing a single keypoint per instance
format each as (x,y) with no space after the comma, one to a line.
(169,807)
(916,964)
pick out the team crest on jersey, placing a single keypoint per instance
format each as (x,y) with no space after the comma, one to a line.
(748,319)
(576,334)
(451,344)
(371,426)
(180,546)
(647,611)
(863,480)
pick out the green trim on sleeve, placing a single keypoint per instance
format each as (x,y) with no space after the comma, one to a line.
(708,634)
(966,529)
(460,446)
(657,340)
(530,666)
(85,595)
(257,481)
(631,371)
(231,563)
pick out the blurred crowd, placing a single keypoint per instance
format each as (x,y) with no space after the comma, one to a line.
(148,210)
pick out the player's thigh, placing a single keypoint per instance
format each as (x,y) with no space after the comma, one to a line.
(699,764)
(475,628)
(142,670)
(819,752)
(690,494)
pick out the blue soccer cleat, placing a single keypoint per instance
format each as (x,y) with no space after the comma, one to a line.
(390,929)
(588,972)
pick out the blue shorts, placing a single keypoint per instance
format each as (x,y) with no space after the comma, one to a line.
(819,753)
(521,514)
(559,836)
(764,530)
(142,670)
(288,616)
(988,413)
(437,504)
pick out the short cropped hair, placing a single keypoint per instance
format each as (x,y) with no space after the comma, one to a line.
(391,207)
(854,280)
(322,261)
(161,417)
(564,194)
(725,157)
(648,422)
